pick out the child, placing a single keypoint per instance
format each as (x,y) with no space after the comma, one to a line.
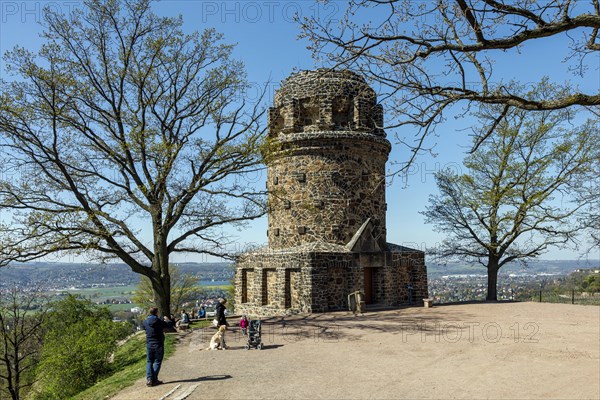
(244,324)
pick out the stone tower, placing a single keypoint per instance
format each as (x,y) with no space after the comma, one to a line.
(327,208)
(331,176)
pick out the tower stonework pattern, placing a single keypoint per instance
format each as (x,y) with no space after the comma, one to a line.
(327,209)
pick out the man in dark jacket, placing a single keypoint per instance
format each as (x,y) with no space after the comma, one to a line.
(155,346)
(220,312)
(220,316)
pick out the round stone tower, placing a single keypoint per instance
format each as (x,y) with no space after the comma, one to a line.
(326,167)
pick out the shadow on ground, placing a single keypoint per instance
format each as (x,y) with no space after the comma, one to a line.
(203,379)
(345,326)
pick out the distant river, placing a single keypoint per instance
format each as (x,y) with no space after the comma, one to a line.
(214,283)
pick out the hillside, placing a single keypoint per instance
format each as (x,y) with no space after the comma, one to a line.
(536,267)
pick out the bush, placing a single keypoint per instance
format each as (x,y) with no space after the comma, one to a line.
(77,347)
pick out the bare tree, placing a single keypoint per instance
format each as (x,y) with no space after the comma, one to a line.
(587,190)
(127,140)
(515,200)
(428,56)
(22,315)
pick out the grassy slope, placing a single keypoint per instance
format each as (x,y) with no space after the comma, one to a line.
(130,365)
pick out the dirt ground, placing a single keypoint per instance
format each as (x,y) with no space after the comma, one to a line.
(466,351)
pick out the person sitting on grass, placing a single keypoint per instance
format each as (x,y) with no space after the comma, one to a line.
(169,324)
(185,317)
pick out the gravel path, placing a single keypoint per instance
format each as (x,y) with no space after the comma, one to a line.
(466,351)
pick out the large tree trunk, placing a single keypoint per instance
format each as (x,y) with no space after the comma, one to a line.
(160,265)
(492,288)
(163,298)
(161,286)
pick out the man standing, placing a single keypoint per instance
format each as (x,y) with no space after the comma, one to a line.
(220,316)
(155,346)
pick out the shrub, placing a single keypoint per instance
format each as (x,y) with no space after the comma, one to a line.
(77,347)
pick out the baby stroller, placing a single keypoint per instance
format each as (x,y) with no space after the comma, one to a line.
(254,340)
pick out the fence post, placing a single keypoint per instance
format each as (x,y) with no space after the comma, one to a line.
(572,297)
(540,295)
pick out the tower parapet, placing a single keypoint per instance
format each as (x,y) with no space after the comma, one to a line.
(323,101)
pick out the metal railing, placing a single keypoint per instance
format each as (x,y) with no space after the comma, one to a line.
(567,297)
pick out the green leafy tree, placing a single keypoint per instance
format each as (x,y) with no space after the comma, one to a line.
(184,289)
(587,190)
(77,346)
(22,316)
(430,56)
(591,283)
(512,203)
(128,140)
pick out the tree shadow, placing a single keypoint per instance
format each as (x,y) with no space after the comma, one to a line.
(342,325)
(336,326)
(203,379)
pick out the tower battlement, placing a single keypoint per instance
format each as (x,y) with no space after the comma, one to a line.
(324,100)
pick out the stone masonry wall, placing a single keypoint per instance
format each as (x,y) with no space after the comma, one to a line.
(321,281)
(325,189)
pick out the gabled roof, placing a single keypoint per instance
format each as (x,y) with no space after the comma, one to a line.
(366,239)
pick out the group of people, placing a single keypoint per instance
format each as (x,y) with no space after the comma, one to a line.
(200,314)
(155,336)
(174,324)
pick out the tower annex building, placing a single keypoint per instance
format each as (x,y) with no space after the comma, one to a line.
(327,206)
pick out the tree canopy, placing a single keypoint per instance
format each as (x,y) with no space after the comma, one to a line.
(515,199)
(79,339)
(126,140)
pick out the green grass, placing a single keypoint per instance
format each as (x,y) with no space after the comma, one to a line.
(119,307)
(203,323)
(217,287)
(551,297)
(128,366)
(103,292)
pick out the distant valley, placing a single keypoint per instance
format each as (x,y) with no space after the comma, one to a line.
(50,275)
(53,275)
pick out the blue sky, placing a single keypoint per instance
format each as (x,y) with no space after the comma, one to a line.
(267,42)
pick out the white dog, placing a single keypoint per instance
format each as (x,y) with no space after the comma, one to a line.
(217,341)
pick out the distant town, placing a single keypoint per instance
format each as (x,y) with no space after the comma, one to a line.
(109,284)
(113,284)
